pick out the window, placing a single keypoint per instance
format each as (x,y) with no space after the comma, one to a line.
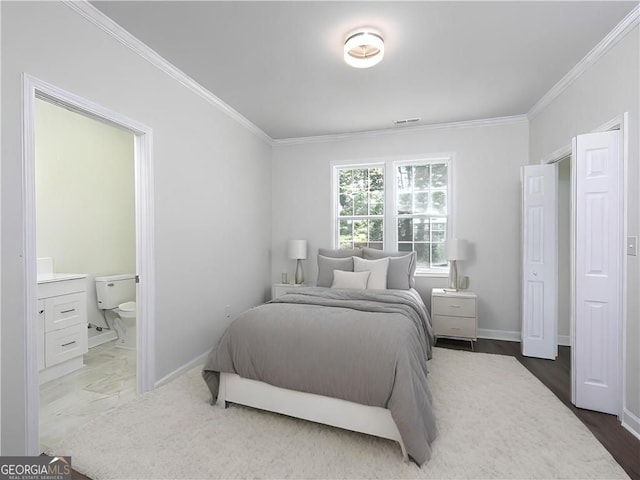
(421,211)
(361,207)
(410,212)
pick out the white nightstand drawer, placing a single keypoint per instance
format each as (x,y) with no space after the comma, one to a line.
(447,326)
(61,345)
(278,289)
(454,306)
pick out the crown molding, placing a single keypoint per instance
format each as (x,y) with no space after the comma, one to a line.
(99,19)
(486,122)
(627,24)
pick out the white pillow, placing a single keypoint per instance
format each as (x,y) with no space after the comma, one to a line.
(342,279)
(378,269)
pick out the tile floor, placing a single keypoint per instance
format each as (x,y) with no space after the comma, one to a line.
(108,379)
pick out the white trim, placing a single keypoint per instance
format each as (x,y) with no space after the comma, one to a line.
(102,338)
(486,122)
(557,155)
(631,422)
(99,19)
(614,36)
(622,122)
(199,360)
(31,87)
(507,335)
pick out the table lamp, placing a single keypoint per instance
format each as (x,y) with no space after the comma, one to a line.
(455,249)
(297,250)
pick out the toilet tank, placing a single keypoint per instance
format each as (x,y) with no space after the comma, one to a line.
(113,290)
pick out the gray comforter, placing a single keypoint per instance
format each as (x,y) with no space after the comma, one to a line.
(365,346)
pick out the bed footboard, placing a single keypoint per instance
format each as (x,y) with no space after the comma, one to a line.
(353,416)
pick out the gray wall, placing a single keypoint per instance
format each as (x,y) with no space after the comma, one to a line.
(487,190)
(607,89)
(212,190)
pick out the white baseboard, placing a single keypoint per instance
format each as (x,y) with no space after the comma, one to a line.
(631,423)
(104,337)
(499,335)
(199,360)
(511,336)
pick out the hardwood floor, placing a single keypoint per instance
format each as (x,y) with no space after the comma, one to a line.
(556,376)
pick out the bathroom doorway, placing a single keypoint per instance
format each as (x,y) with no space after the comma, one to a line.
(38,95)
(85,227)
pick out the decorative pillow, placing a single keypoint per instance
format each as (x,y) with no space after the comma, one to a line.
(342,279)
(400,275)
(378,269)
(402,267)
(327,265)
(340,253)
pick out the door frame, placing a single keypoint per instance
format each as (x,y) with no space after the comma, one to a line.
(621,123)
(144,200)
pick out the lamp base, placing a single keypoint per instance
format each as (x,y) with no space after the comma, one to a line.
(453,276)
(299,278)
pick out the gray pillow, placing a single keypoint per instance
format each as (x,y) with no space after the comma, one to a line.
(341,253)
(402,267)
(326,266)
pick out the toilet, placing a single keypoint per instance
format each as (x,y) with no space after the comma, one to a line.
(116,295)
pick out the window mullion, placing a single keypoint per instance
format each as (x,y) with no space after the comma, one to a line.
(390,233)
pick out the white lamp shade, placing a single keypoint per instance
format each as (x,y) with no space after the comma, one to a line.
(297,249)
(456,249)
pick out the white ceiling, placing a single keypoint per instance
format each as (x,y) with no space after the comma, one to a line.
(280,63)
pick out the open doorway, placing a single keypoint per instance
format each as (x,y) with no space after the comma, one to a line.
(592,229)
(564,250)
(144,274)
(85,215)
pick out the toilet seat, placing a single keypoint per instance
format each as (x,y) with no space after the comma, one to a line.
(127,310)
(127,307)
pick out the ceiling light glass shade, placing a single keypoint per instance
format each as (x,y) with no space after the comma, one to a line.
(363,49)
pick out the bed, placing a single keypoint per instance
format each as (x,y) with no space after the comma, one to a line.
(346,356)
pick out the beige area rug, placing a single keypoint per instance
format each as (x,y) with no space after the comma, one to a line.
(496,420)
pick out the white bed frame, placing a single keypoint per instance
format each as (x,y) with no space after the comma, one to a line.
(353,416)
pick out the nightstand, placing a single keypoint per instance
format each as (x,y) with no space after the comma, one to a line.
(455,314)
(278,289)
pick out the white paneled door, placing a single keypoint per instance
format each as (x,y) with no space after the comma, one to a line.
(539,262)
(599,252)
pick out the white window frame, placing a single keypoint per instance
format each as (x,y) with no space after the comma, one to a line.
(390,239)
(335,204)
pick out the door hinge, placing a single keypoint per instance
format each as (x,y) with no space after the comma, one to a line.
(137,278)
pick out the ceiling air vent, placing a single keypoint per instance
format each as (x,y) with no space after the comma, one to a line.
(406,121)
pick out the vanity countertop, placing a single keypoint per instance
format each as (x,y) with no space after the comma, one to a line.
(58,277)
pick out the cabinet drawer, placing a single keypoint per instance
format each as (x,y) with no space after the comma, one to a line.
(447,326)
(454,306)
(66,343)
(65,310)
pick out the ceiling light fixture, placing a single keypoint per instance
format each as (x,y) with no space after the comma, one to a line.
(363,48)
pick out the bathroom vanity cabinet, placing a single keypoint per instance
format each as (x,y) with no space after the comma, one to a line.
(62,324)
